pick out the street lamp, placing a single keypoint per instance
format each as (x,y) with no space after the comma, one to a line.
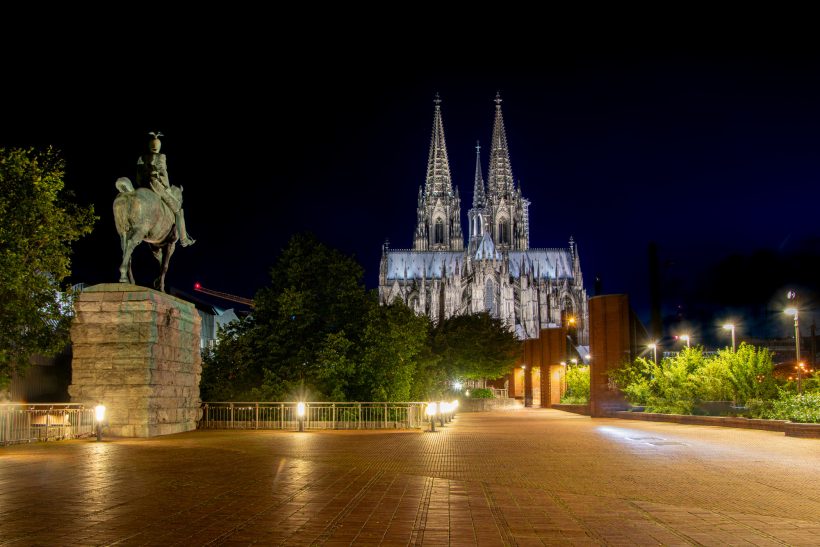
(793,311)
(731,327)
(685,338)
(654,348)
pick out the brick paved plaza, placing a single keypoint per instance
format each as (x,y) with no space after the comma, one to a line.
(526,477)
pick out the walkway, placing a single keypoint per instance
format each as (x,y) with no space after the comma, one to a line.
(526,477)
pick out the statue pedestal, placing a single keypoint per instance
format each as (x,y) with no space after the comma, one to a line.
(136,350)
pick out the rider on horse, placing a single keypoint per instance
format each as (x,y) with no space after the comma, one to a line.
(152,172)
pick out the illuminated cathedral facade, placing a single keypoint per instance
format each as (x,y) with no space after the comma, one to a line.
(497,271)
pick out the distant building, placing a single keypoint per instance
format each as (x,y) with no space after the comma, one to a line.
(212,317)
(529,288)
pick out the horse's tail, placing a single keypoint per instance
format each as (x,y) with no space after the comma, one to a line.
(123,184)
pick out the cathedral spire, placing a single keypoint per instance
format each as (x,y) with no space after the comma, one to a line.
(479,198)
(438,166)
(500,177)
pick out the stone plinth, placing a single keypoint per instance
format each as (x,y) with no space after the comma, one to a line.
(136,350)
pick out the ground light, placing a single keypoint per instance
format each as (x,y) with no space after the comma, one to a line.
(300,413)
(431,412)
(99,415)
(442,412)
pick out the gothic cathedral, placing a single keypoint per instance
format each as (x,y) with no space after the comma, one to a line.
(498,271)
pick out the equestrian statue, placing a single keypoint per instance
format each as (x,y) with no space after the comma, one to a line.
(152,213)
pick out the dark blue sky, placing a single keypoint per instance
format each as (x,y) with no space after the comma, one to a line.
(711,155)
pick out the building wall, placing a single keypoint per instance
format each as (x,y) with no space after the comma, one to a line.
(616,336)
(540,362)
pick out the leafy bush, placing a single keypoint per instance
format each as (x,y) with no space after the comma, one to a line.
(759,408)
(482,393)
(570,400)
(796,408)
(577,386)
(679,383)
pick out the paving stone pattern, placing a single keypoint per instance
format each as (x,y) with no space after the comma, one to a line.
(525,477)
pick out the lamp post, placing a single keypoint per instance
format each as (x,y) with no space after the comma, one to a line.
(731,327)
(793,311)
(685,338)
(654,348)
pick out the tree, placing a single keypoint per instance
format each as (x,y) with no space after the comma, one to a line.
(476,346)
(394,341)
(305,332)
(37,225)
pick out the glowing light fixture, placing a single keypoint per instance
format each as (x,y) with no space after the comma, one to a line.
(99,415)
(731,327)
(431,412)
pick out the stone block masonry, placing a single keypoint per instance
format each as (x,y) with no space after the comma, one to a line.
(136,350)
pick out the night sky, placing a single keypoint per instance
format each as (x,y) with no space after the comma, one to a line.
(713,156)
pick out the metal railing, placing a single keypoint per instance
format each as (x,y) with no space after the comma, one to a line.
(23,423)
(501,393)
(318,415)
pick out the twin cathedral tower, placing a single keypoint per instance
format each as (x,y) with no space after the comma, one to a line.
(529,288)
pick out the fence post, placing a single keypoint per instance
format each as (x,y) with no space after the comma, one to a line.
(385,415)
(360,416)
(257,414)
(281,415)
(231,416)
(334,415)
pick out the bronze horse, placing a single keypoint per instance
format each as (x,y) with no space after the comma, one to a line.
(141,215)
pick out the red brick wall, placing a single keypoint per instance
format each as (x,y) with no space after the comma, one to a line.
(614,336)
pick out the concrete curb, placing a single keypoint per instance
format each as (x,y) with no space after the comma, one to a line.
(791,429)
(575,409)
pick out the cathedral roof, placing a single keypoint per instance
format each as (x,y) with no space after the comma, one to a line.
(542,263)
(427,264)
(486,249)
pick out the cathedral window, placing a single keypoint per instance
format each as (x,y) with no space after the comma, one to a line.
(489,296)
(439,236)
(504,232)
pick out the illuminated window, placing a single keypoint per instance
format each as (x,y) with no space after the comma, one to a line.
(439,236)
